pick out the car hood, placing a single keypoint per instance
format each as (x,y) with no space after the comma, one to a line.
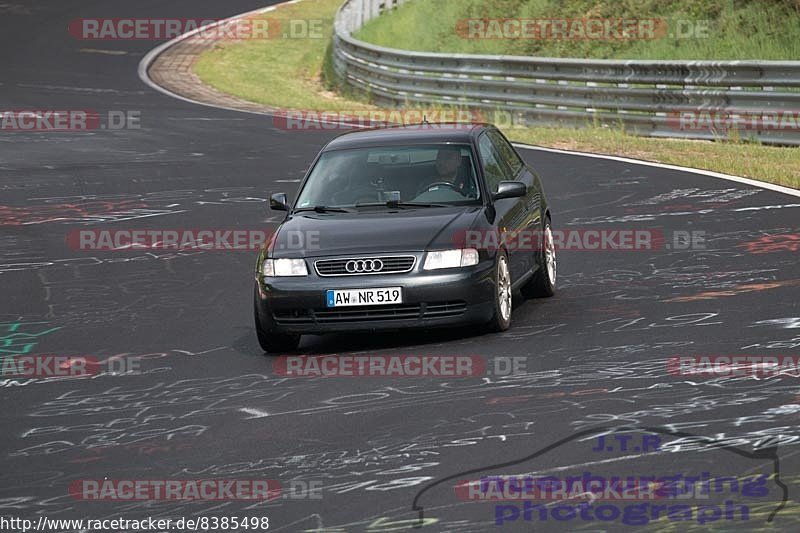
(366,232)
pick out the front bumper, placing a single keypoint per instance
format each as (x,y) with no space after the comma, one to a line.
(436,298)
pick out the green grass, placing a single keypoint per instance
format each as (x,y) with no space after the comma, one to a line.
(736,29)
(290,73)
(278,72)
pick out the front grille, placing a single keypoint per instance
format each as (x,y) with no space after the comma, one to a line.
(401,312)
(392,264)
(367,314)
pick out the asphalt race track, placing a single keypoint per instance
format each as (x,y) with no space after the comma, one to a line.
(207,403)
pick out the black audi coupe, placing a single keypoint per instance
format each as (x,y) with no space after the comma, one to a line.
(405,227)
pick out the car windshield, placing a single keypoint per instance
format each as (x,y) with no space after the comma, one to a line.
(429,175)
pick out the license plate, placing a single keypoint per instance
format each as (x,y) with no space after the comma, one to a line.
(354,297)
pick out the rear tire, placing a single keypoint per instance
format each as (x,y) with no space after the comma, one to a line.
(501,320)
(543,283)
(271,342)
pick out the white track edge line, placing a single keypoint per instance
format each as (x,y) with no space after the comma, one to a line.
(147,60)
(710,173)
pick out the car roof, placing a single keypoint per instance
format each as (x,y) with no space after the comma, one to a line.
(451,132)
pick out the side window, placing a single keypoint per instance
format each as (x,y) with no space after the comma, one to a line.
(494,169)
(506,152)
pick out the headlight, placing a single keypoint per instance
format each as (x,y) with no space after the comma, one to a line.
(451,259)
(273,268)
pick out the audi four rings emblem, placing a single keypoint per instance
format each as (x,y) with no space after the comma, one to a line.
(358,266)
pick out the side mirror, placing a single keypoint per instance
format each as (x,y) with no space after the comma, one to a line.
(510,189)
(278,202)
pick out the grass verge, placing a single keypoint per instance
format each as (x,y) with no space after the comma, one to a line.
(289,73)
(681,29)
(280,72)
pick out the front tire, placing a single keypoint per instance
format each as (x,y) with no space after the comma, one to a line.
(501,320)
(543,283)
(272,342)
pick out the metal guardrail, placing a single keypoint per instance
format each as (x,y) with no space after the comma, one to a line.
(687,99)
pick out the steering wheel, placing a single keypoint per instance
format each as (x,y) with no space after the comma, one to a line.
(443,184)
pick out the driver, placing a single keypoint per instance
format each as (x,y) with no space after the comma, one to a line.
(448,160)
(446,173)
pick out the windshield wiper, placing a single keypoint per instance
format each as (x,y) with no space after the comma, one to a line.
(323,209)
(401,204)
(415,204)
